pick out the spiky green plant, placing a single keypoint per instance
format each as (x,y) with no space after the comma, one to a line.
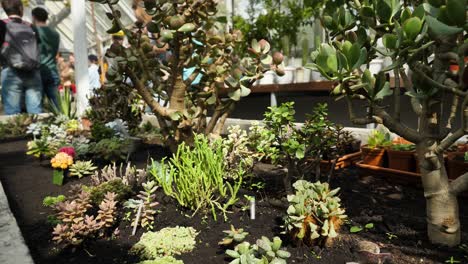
(82,168)
(314,213)
(233,235)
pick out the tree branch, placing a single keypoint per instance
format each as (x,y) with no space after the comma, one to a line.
(460,184)
(396,96)
(397,127)
(436,84)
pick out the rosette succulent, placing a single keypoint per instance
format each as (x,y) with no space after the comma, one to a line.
(314,213)
(82,168)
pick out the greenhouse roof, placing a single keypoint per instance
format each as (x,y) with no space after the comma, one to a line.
(65,27)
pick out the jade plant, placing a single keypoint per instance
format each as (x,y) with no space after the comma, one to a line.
(201,48)
(314,215)
(298,148)
(427,37)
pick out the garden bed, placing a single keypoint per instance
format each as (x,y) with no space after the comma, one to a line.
(393,209)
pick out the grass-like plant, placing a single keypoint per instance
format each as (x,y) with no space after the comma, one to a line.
(194,176)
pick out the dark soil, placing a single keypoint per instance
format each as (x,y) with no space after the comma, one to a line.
(393,209)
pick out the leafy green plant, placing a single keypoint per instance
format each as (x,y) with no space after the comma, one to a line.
(100,131)
(16,125)
(452,260)
(82,168)
(64,104)
(169,241)
(50,201)
(111,149)
(391,236)
(116,186)
(357,229)
(233,235)
(378,139)
(314,214)
(263,252)
(40,148)
(465,157)
(403,147)
(195,177)
(299,149)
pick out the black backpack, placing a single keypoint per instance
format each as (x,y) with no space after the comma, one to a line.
(20,49)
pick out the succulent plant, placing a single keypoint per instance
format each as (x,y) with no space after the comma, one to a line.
(271,251)
(82,168)
(263,251)
(168,241)
(163,260)
(148,197)
(50,201)
(233,235)
(120,128)
(244,253)
(314,213)
(107,210)
(74,211)
(116,186)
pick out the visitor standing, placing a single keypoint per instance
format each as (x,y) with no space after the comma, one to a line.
(49,47)
(93,73)
(20,61)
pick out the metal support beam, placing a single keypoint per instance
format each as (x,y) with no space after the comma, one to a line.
(78,10)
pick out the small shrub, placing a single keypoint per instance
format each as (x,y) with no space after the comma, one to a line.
(116,186)
(100,131)
(111,149)
(195,177)
(168,241)
(314,213)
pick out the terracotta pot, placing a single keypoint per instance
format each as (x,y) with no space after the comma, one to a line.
(456,168)
(86,123)
(373,156)
(401,160)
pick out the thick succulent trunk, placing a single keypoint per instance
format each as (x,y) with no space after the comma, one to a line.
(443,224)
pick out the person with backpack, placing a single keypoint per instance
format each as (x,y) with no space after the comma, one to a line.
(49,47)
(19,55)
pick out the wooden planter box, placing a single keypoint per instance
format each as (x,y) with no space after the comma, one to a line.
(402,177)
(343,162)
(456,168)
(401,160)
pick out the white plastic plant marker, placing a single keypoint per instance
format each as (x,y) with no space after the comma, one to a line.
(252,208)
(137,218)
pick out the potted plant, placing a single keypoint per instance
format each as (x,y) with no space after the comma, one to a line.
(373,153)
(401,157)
(457,166)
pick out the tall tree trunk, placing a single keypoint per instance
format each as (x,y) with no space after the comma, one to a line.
(443,224)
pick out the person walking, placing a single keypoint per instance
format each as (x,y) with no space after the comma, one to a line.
(49,46)
(19,55)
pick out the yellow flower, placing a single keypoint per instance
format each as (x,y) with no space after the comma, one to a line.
(61,161)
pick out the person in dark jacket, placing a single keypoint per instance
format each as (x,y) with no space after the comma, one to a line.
(18,84)
(49,46)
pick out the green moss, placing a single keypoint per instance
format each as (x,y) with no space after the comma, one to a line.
(168,241)
(116,186)
(163,260)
